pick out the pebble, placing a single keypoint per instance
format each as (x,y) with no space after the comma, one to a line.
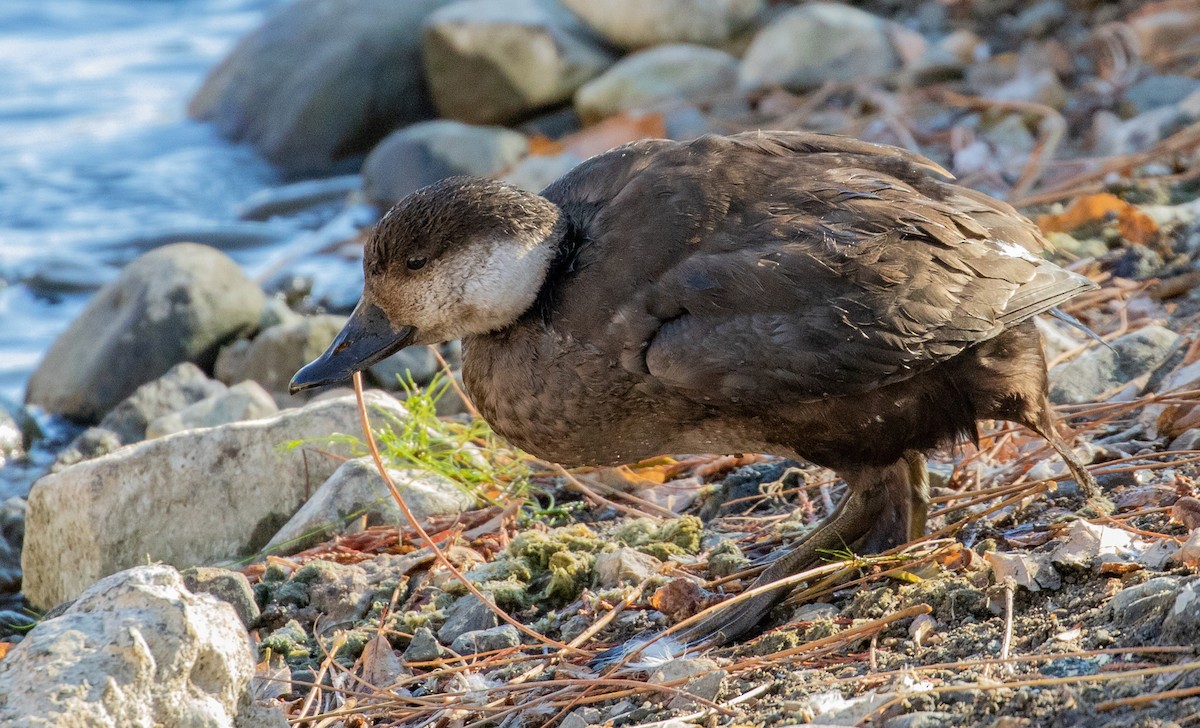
(424,647)
(485,640)
(467,614)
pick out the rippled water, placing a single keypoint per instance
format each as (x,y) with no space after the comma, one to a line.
(96,149)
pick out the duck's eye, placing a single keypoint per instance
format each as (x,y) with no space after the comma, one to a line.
(416,263)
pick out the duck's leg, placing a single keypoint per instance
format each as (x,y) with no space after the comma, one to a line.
(1042,421)
(875,510)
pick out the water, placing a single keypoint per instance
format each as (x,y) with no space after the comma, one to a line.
(95,147)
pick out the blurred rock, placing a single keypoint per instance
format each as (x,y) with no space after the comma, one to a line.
(175,304)
(1041,86)
(415,362)
(651,77)
(1155,91)
(136,649)
(183,386)
(243,401)
(467,614)
(1141,602)
(424,153)
(12,439)
(817,42)
(1113,135)
(321,80)
(1100,369)
(298,197)
(496,61)
(633,24)
(197,497)
(12,535)
(535,172)
(274,355)
(231,587)
(356,491)
(485,640)
(1182,623)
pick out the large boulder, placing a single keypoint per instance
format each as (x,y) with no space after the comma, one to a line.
(669,73)
(819,42)
(425,153)
(174,304)
(321,80)
(1103,368)
(195,497)
(633,24)
(136,649)
(497,61)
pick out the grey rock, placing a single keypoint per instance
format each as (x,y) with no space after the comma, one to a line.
(136,648)
(1156,90)
(467,614)
(243,401)
(338,591)
(321,80)
(625,566)
(183,386)
(298,197)
(422,154)
(922,719)
(818,42)
(704,679)
(58,272)
(200,496)
(643,80)
(633,24)
(92,443)
(12,535)
(415,362)
(1182,623)
(815,611)
(535,172)
(424,647)
(1148,600)
(355,490)
(174,304)
(274,355)
(1100,369)
(486,640)
(496,61)
(276,312)
(1189,440)
(1114,135)
(231,587)
(582,718)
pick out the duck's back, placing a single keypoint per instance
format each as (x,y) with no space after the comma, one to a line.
(772,270)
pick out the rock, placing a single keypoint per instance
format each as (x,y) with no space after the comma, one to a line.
(422,154)
(274,355)
(1155,91)
(183,386)
(814,611)
(1029,570)
(664,74)
(12,535)
(922,719)
(91,443)
(243,401)
(633,24)
(1042,86)
(535,172)
(1114,136)
(625,566)
(174,304)
(818,42)
(136,649)
(485,640)
(321,80)
(424,647)
(1182,623)
(298,197)
(1100,369)
(1189,440)
(415,363)
(467,614)
(495,61)
(12,439)
(582,718)
(1148,600)
(706,680)
(195,497)
(58,272)
(340,592)
(355,491)
(231,587)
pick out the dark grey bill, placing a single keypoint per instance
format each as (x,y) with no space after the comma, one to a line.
(367,338)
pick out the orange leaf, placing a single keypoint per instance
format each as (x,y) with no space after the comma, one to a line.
(544,145)
(4,648)
(613,132)
(1135,225)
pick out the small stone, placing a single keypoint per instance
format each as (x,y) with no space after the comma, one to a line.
(340,592)
(624,566)
(922,719)
(582,718)
(1156,90)
(424,647)
(815,611)
(231,587)
(243,401)
(1189,440)
(633,24)
(1182,623)
(707,682)
(486,640)
(468,614)
(424,153)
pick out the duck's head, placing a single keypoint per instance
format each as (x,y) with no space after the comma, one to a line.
(463,256)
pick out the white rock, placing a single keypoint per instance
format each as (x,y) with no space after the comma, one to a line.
(636,24)
(356,490)
(137,649)
(669,73)
(195,497)
(244,401)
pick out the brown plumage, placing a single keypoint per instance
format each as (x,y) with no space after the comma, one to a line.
(796,294)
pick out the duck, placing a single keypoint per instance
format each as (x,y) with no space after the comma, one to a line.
(797,294)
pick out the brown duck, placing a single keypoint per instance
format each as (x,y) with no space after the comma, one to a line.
(796,294)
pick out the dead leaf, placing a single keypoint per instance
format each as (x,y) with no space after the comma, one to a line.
(272,678)
(1031,571)
(613,132)
(381,665)
(1186,511)
(1189,552)
(1135,225)
(1146,496)
(681,598)
(921,629)
(4,648)
(954,557)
